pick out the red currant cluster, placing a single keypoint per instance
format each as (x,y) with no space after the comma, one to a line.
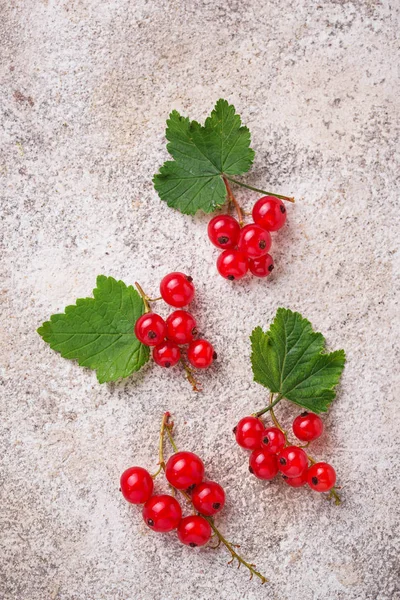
(162,512)
(184,472)
(272,453)
(179,329)
(246,248)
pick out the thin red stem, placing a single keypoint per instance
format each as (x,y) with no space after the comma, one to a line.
(232,199)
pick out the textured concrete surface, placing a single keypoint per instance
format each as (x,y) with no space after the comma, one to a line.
(86,87)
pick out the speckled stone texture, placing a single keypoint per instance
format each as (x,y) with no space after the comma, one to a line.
(86,89)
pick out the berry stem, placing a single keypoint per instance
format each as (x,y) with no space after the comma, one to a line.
(146,298)
(231,198)
(190,377)
(250,187)
(233,552)
(267,408)
(167,426)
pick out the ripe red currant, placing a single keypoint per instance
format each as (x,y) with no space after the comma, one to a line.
(262,266)
(166,354)
(254,241)
(249,433)
(321,477)
(201,354)
(232,264)
(181,327)
(273,440)
(308,427)
(177,289)
(224,231)
(262,464)
(208,498)
(150,329)
(184,469)
(270,213)
(194,531)
(136,485)
(292,461)
(296,482)
(162,513)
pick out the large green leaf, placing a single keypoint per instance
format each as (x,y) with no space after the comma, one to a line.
(99,332)
(202,155)
(289,359)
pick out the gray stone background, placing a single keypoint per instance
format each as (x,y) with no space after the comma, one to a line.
(86,88)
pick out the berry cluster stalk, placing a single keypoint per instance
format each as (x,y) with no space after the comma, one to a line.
(167,426)
(272,402)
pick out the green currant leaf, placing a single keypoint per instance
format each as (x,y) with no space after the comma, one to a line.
(289,359)
(99,332)
(202,155)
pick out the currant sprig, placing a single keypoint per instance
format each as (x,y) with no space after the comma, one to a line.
(113,332)
(184,472)
(290,360)
(205,159)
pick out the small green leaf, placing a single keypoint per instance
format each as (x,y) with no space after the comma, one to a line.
(202,155)
(99,332)
(289,359)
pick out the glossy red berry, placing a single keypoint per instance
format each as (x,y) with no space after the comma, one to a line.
(270,213)
(273,440)
(308,427)
(224,231)
(150,329)
(292,461)
(321,477)
(166,354)
(248,433)
(201,354)
(232,264)
(254,241)
(162,513)
(181,327)
(136,485)
(194,531)
(177,289)
(296,482)
(262,266)
(208,498)
(184,469)
(262,464)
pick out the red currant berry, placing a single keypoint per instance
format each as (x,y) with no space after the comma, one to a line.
(292,461)
(254,241)
(224,231)
(201,354)
(184,469)
(296,482)
(321,477)
(208,498)
(262,266)
(270,213)
(181,327)
(194,531)
(232,264)
(162,513)
(273,440)
(249,433)
(150,329)
(177,289)
(308,427)
(136,485)
(262,464)
(166,354)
